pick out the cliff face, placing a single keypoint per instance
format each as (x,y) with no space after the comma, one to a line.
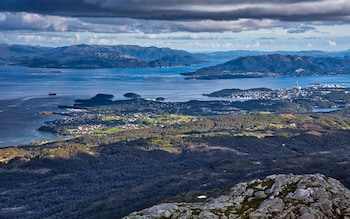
(277,196)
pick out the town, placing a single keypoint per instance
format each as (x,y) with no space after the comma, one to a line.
(100,115)
(280,94)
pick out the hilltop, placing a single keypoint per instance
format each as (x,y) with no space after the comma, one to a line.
(276,196)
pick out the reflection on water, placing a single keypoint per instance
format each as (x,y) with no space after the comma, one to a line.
(20,119)
(326,110)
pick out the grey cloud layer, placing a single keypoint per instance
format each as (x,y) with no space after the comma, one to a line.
(29,21)
(164,16)
(290,10)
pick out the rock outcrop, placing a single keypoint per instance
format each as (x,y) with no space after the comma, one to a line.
(278,196)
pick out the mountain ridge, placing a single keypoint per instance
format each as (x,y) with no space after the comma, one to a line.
(273,65)
(238,53)
(94,56)
(128,56)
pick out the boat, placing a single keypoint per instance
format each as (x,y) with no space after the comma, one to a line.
(52,94)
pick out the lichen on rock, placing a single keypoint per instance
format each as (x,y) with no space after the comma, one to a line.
(276,196)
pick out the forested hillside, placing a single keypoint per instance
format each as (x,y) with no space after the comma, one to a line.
(111,175)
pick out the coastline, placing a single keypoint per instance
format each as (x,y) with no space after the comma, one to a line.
(20,119)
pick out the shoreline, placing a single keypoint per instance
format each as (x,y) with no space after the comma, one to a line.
(20,119)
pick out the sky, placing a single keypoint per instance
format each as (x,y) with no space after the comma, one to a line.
(192,25)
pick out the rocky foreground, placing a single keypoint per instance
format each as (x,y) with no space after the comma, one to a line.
(277,196)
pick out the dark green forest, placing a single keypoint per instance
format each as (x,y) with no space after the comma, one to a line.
(112,174)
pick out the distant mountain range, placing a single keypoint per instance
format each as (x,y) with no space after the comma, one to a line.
(242,64)
(94,56)
(274,65)
(229,55)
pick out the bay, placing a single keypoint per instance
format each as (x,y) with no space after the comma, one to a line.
(24,91)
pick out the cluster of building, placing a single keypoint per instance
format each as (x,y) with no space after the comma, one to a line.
(87,129)
(140,113)
(326,86)
(282,94)
(278,94)
(85,122)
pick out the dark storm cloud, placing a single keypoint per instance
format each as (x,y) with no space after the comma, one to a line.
(30,21)
(290,10)
(165,16)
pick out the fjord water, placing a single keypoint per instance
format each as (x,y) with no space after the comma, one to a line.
(24,91)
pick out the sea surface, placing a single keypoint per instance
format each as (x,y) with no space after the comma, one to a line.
(24,91)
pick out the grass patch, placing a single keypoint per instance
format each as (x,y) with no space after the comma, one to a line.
(111,118)
(108,131)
